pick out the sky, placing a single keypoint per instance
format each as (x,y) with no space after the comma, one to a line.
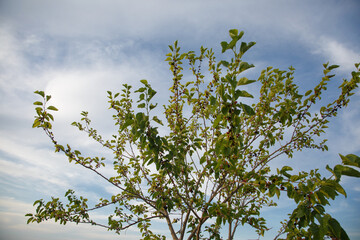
(76,50)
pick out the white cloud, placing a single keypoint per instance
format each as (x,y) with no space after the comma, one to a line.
(35,166)
(337,53)
(12,217)
(9,54)
(344,135)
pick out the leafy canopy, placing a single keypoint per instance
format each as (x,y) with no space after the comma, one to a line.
(210,173)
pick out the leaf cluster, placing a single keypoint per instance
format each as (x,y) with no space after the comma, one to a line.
(211,168)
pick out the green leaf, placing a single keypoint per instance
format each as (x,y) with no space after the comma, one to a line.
(240,93)
(308,93)
(152,106)
(277,191)
(336,171)
(334,228)
(348,171)
(351,160)
(41,93)
(50,116)
(247,109)
(328,191)
(244,81)
(319,209)
(144,81)
(224,63)
(329,169)
(224,46)
(233,33)
(36,123)
(343,235)
(40,202)
(39,110)
(290,191)
(29,220)
(127,123)
(322,228)
(212,100)
(156,119)
(218,221)
(202,159)
(339,188)
(317,230)
(47,125)
(300,211)
(294,178)
(244,66)
(151,93)
(333,67)
(142,89)
(217,120)
(38,103)
(52,108)
(232,44)
(59,147)
(142,105)
(139,117)
(246,46)
(284,170)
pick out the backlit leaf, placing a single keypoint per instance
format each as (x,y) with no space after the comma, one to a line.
(247,109)
(52,108)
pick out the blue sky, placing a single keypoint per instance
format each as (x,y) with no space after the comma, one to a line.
(76,50)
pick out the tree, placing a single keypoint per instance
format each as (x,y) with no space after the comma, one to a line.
(211,172)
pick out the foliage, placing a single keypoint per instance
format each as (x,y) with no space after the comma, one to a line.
(211,170)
